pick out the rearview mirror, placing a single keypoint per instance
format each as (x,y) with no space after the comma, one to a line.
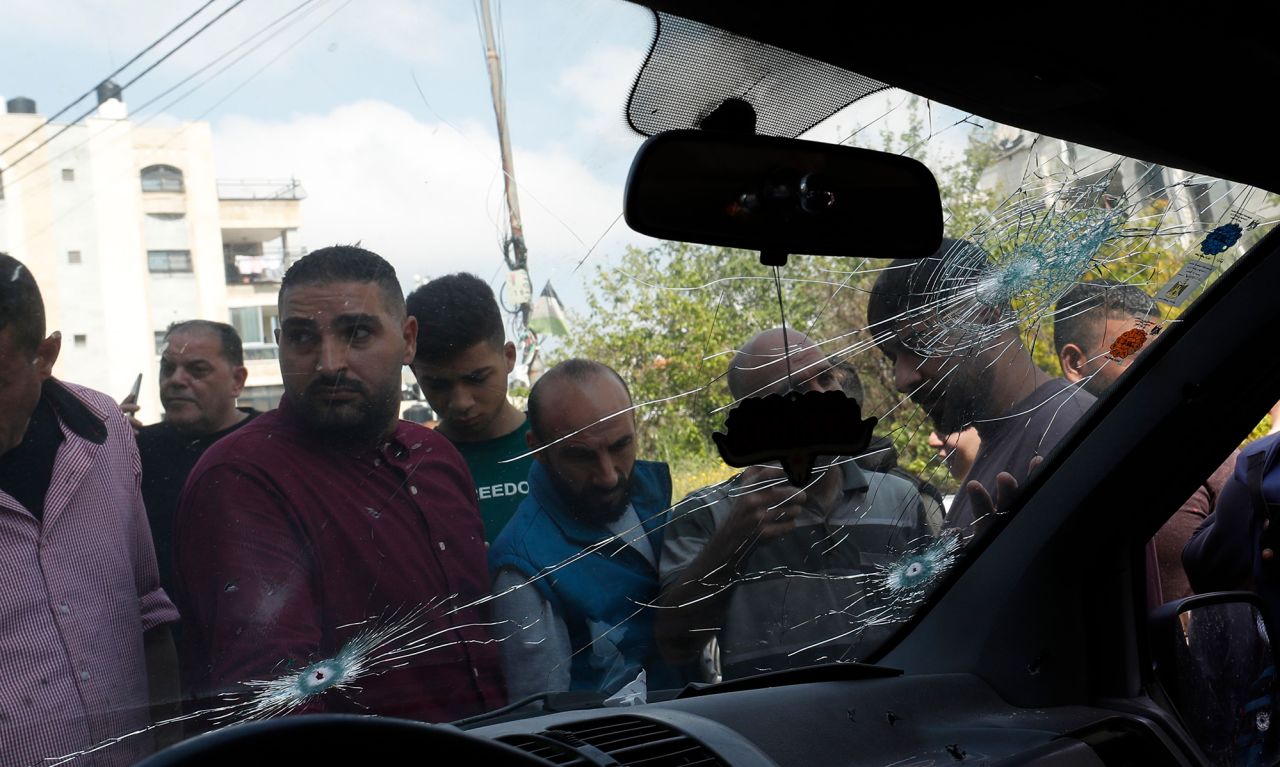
(783,196)
(1214,659)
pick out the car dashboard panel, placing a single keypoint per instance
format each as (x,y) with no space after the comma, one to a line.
(912,720)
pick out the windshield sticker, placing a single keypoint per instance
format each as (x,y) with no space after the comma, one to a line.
(1188,279)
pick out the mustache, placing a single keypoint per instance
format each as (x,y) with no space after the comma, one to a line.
(328,385)
(623,484)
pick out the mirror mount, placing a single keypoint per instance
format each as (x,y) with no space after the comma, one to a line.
(770,257)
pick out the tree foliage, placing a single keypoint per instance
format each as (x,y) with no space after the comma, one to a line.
(668,318)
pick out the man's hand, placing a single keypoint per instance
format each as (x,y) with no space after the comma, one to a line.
(764,507)
(129,407)
(984,508)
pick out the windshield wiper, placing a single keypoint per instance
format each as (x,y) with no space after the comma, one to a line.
(826,672)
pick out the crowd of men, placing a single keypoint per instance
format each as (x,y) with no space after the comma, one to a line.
(533,552)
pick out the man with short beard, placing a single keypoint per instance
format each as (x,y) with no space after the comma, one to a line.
(577,564)
(990,381)
(330,515)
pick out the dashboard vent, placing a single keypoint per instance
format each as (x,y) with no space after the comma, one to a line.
(627,740)
(546,748)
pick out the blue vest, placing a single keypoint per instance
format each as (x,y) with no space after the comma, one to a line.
(599,596)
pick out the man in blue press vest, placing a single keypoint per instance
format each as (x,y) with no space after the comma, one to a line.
(576,568)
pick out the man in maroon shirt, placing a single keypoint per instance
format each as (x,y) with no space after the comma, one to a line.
(330,517)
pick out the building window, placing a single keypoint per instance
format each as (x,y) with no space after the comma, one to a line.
(169,261)
(260,397)
(257,327)
(161,178)
(261,352)
(256,324)
(73,256)
(81,340)
(68,174)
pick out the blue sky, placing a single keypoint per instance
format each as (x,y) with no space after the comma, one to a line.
(329,97)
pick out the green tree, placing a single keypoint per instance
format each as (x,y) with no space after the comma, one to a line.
(668,319)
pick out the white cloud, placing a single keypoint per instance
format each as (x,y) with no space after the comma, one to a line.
(601,82)
(424,195)
(412,30)
(106,33)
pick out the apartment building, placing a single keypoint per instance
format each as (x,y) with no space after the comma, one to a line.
(128,228)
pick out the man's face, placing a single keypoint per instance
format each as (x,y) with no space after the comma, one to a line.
(198,386)
(21,375)
(764,372)
(591,469)
(1101,371)
(341,354)
(957,450)
(468,390)
(952,391)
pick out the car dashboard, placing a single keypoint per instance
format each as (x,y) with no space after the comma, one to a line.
(905,720)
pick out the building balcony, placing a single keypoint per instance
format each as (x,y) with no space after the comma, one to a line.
(253,210)
(260,189)
(267,267)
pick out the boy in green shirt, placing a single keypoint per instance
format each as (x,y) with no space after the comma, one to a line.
(462,364)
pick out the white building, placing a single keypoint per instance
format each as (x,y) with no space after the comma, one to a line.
(127,229)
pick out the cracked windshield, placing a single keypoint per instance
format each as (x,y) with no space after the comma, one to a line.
(333,377)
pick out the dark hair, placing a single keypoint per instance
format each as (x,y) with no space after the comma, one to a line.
(232,349)
(909,284)
(850,381)
(575,369)
(1088,303)
(346,263)
(21,306)
(455,312)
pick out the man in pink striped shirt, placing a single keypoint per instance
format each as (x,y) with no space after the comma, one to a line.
(85,648)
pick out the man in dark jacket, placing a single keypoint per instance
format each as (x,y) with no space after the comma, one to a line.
(201,373)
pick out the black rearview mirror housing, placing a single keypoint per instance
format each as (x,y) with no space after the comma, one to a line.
(783,196)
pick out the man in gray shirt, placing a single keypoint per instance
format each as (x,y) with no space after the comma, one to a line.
(777,572)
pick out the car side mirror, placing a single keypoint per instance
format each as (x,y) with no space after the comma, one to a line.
(1214,659)
(782,196)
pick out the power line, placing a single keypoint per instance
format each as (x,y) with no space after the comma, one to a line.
(33,171)
(227,53)
(273,60)
(157,63)
(259,71)
(188,78)
(120,69)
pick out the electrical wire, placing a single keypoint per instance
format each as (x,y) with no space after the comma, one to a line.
(137,77)
(118,70)
(31,171)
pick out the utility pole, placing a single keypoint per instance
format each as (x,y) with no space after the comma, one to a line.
(514,252)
